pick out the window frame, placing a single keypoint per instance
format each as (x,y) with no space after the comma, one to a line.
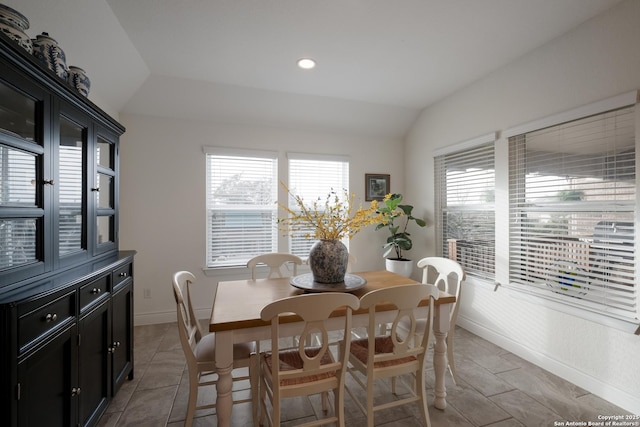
(281,241)
(268,209)
(293,157)
(445,247)
(503,209)
(503,279)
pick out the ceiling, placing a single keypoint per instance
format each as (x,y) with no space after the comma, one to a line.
(380,62)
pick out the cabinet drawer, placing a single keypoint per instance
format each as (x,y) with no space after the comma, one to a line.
(46,318)
(93,291)
(121,274)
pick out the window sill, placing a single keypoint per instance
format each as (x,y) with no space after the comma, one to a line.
(625,325)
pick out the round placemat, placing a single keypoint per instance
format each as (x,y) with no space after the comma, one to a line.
(352,282)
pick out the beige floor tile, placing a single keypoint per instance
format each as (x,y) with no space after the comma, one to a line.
(496,389)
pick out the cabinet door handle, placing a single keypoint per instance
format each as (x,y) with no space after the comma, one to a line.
(49,182)
(51,317)
(123,274)
(96,290)
(116,344)
(75,391)
(97,190)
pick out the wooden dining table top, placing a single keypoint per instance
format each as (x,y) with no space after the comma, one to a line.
(238,303)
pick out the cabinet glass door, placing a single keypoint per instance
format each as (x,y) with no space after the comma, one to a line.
(105,194)
(17,190)
(21,153)
(71,155)
(17,113)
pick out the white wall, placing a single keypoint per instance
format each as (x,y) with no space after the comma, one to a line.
(162,198)
(597,60)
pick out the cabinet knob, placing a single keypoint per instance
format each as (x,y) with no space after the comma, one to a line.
(49,182)
(96,290)
(51,317)
(75,391)
(116,344)
(123,274)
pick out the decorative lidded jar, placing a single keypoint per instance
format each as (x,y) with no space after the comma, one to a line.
(79,80)
(14,24)
(49,53)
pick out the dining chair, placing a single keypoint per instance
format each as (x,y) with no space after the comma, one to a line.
(387,353)
(305,370)
(199,350)
(447,275)
(275,261)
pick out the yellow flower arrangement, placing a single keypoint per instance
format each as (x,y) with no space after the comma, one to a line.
(333,219)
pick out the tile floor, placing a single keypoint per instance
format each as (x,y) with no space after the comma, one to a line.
(496,388)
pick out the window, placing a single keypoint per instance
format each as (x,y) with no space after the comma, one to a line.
(241,205)
(312,177)
(572,198)
(464,203)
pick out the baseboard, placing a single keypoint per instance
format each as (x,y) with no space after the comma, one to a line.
(154,318)
(164,317)
(593,385)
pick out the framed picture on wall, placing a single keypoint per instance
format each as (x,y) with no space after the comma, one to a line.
(376,186)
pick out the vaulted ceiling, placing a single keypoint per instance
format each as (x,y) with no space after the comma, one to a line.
(379,62)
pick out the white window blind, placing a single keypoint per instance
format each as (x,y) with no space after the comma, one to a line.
(18,236)
(465,207)
(241,206)
(312,178)
(572,213)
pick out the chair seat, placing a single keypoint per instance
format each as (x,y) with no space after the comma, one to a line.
(360,349)
(290,360)
(205,350)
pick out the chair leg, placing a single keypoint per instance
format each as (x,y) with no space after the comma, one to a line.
(421,391)
(450,359)
(254,381)
(275,408)
(193,398)
(338,395)
(264,415)
(369,401)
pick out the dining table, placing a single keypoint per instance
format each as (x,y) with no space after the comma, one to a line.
(235,318)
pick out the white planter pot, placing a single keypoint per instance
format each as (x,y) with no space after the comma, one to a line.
(401,267)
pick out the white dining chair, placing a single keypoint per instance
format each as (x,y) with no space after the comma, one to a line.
(199,350)
(275,261)
(447,275)
(305,370)
(387,353)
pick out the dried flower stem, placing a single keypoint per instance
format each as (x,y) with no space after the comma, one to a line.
(334,219)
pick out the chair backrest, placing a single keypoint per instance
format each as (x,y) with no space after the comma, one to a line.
(274,261)
(405,299)
(448,277)
(188,326)
(314,310)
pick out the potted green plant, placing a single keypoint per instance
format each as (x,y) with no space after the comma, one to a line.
(396,219)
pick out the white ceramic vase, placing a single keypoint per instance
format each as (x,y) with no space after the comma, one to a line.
(79,80)
(402,267)
(14,24)
(50,54)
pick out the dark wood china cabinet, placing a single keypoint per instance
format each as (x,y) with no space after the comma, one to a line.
(66,290)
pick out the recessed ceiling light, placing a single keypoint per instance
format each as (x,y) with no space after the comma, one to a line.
(306,63)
